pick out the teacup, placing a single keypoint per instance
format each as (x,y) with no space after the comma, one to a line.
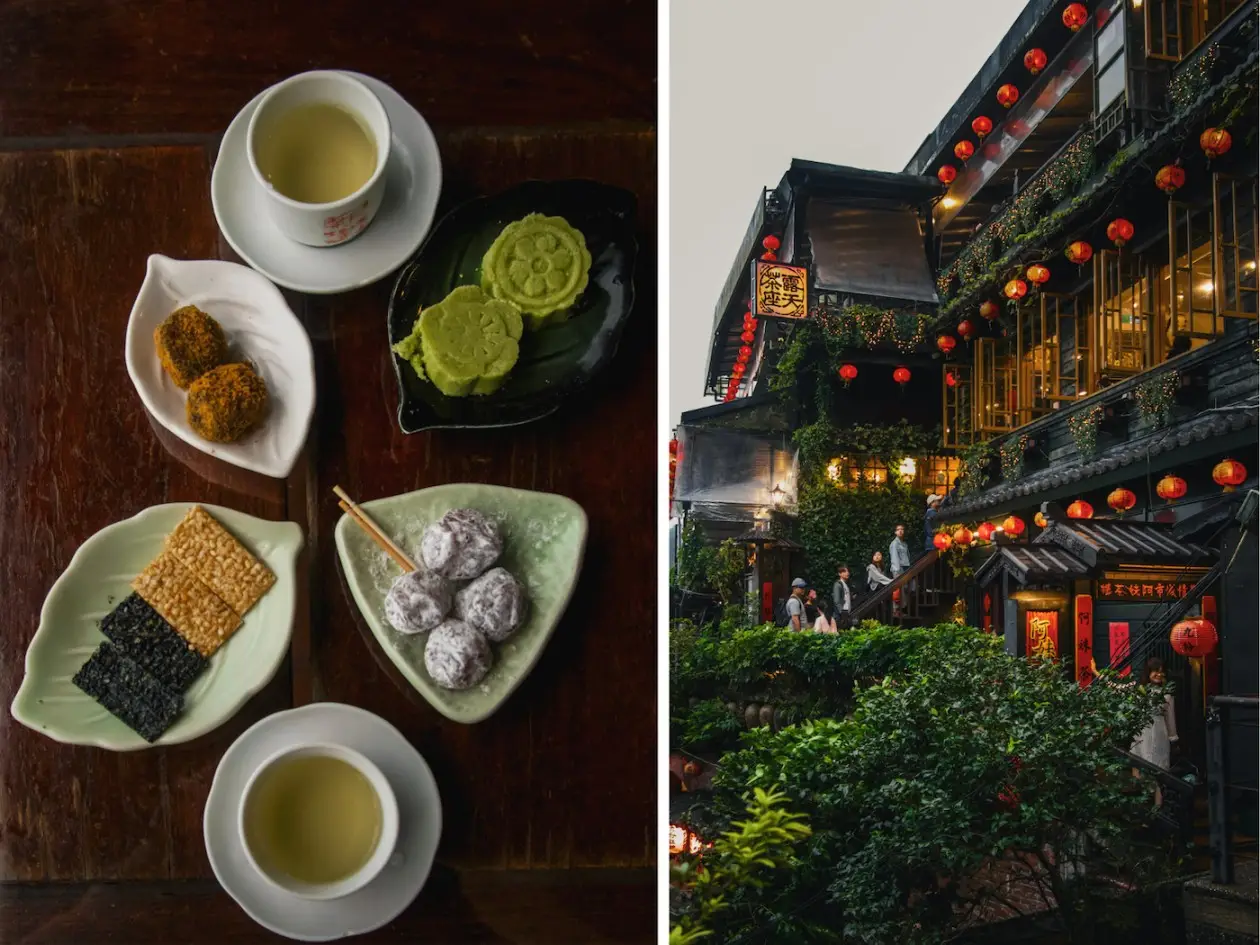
(337,220)
(290,814)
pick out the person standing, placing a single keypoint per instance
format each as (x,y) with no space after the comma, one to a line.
(875,576)
(842,599)
(1155,742)
(930,519)
(898,552)
(796,605)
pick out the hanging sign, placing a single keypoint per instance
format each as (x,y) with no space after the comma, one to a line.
(1042,634)
(1118,643)
(767,601)
(1211,662)
(779,291)
(1148,587)
(1084,639)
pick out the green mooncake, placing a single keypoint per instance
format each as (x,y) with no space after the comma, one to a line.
(466,344)
(541,265)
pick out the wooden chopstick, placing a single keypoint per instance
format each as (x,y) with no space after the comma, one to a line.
(374,531)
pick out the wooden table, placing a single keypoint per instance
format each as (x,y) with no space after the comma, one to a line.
(109,119)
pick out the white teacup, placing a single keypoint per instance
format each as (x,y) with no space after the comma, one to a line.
(323,224)
(386,841)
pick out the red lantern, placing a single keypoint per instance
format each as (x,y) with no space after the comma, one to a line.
(988,310)
(1170,488)
(946,343)
(750,323)
(747,337)
(847,373)
(1075,16)
(769,256)
(1195,637)
(966,329)
(902,375)
(745,352)
(1215,142)
(951,379)
(1080,509)
(738,369)
(964,150)
(942,541)
(1016,289)
(1119,231)
(981,126)
(1229,473)
(985,530)
(1121,500)
(1079,252)
(1170,178)
(1038,275)
(1014,526)
(1040,520)
(771,243)
(1007,95)
(1035,60)
(947,174)
(962,536)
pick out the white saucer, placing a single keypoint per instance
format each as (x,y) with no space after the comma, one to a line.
(413,180)
(419,812)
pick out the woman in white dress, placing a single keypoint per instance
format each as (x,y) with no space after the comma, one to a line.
(1155,742)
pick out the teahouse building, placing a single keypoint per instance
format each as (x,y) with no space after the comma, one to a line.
(1064,277)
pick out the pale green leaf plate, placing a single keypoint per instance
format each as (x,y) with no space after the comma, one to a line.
(98,578)
(544,536)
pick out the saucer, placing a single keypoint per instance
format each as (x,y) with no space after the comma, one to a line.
(413,180)
(419,813)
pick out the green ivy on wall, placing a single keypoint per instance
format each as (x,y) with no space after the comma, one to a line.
(1155,397)
(1084,430)
(973,467)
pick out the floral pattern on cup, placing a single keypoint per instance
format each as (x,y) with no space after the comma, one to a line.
(342,226)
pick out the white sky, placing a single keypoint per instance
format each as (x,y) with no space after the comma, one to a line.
(754,84)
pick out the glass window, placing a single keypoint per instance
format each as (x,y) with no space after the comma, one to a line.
(1121,290)
(1110,84)
(1192,291)
(997,394)
(958,427)
(1110,40)
(1235,205)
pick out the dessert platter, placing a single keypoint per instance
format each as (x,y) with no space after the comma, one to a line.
(465,612)
(323,821)
(513,303)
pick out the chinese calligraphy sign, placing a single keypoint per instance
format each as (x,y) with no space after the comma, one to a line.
(1084,639)
(779,291)
(1118,640)
(1042,634)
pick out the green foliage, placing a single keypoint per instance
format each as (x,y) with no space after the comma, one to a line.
(1084,430)
(1012,452)
(846,526)
(694,557)
(965,759)
(809,675)
(1156,395)
(821,441)
(973,467)
(724,570)
(740,860)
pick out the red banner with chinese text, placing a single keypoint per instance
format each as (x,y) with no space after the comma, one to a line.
(1084,639)
(1118,642)
(767,602)
(1041,629)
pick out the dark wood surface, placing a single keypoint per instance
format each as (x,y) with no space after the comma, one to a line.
(549,829)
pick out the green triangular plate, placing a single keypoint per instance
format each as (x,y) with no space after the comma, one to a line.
(544,537)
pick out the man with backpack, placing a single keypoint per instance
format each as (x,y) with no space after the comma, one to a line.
(791,616)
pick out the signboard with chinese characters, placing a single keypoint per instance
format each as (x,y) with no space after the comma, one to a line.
(779,291)
(1084,639)
(1143,589)
(1041,628)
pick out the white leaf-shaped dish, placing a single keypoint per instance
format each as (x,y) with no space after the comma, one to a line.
(544,540)
(98,577)
(261,329)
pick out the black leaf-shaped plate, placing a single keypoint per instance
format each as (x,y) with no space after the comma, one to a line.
(554,362)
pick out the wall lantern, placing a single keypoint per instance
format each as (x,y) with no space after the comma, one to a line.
(1195,637)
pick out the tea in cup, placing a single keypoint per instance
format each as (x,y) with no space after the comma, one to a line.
(318,821)
(318,143)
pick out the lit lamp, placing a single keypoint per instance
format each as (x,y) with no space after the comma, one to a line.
(778,496)
(907,468)
(683,839)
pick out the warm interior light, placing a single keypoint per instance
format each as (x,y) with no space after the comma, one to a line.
(833,470)
(1205,285)
(949,203)
(907,467)
(1251,264)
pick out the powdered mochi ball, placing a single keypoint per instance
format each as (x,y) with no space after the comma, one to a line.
(418,601)
(457,656)
(462,545)
(494,603)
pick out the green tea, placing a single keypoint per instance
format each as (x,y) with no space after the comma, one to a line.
(314,818)
(316,153)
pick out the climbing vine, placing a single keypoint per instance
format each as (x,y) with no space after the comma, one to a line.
(973,469)
(1084,430)
(1012,453)
(1155,397)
